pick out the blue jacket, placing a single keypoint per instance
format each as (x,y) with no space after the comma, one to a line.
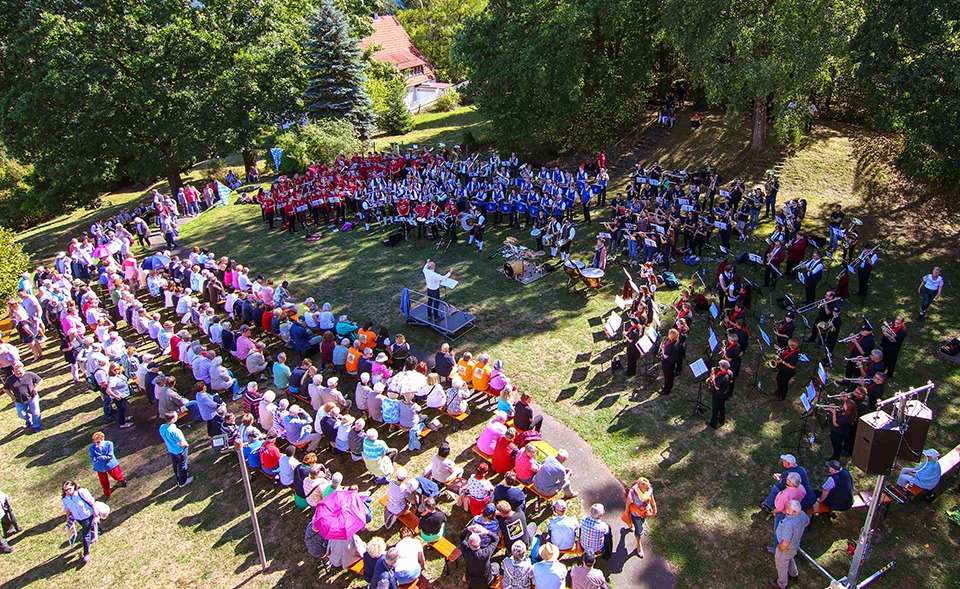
(299,338)
(102,457)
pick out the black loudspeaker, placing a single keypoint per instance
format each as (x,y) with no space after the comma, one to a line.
(919,418)
(875,448)
(393,239)
(951,348)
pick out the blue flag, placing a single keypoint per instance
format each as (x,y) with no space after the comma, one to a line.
(223,192)
(276,153)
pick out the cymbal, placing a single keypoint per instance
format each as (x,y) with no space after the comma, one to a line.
(511,241)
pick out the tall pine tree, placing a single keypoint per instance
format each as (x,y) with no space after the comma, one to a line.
(335,72)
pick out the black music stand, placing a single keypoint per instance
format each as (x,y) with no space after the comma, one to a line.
(757,385)
(700,371)
(804,435)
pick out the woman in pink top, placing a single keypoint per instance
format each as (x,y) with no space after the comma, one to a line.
(792,491)
(379,371)
(526,465)
(493,432)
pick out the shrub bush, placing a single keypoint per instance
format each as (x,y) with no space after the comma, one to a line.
(320,141)
(448,102)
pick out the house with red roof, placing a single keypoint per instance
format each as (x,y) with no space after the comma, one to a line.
(395,46)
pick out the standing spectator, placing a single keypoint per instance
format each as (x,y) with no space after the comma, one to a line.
(8,523)
(177,446)
(792,492)
(479,571)
(931,287)
(22,388)
(78,507)
(641,504)
(105,463)
(118,389)
(789,534)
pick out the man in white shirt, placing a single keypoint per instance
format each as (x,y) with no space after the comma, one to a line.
(931,287)
(434,280)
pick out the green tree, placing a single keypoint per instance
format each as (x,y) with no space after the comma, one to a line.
(908,59)
(567,73)
(98,91)
(434,26)
(335,72)
(264,81)
(744,51)
(13,262)
(387,89)
(316,142)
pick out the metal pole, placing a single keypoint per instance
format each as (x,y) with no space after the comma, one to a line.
(863,543)
(253,508)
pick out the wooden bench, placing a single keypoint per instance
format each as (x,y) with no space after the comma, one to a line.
(445,547)
(821,508)
(482,454)
(357,568)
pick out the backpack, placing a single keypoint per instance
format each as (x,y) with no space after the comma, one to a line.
(528,436)
(670,280)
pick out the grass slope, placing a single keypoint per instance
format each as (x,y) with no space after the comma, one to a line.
(550,339)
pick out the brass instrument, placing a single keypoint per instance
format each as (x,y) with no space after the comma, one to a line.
(858,359)
(852,337)
(712,378)
(774,362)
(888,332)
(842,396)
(825,326)
(863,381)
(829,407)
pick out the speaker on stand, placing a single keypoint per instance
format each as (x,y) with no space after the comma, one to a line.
(919,417)
(875,448)
(393,239)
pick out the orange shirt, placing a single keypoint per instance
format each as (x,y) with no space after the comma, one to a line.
(465,370)
(481,377)
(368,339)
(353,359)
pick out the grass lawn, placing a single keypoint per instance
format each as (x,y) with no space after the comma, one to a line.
(438,127)
(550,338)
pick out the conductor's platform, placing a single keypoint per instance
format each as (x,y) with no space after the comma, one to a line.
(452,322)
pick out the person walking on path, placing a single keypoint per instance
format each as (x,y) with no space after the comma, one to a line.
(22,387)
(640,505)
(78,507)
(105,463)
(177,446)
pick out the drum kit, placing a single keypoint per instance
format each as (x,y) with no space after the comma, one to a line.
(521,260)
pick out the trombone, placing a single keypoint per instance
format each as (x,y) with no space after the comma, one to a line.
(829,407)
(858,360)
(861,381)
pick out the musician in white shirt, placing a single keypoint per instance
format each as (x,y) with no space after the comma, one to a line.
(434,280)
(567,233)
(814,271)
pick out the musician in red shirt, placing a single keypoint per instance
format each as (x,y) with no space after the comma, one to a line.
(290,212)
(786,367)
(269,207)
(775,256)
(421,211)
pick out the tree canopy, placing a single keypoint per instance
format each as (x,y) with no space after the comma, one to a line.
(334,67)
(746,51)
(568,73)
(434,26)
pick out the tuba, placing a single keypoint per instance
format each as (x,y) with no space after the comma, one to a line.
(888,331)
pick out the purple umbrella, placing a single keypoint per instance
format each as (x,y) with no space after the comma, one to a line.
(101,252)
(340,515)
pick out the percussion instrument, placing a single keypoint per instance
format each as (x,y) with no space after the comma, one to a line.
(421,219)
(548,240)
(592,277)
(535,233)
(411,222)
(511,241)
(513,268)
(573,268)
(856,221)
(467,221)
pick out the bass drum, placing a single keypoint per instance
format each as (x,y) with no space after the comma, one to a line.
(513,268)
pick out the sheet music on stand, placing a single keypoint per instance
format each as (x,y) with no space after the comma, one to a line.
(654,183)
(645,345)
(724,193)
(633,285)
(714,311)
(802,277)
(699,368)
(766,338)
(649,243)
(713,341)
(755,258)
(822,374)
(807,408)
(652,334)
(660,229)
(449,283)
(724,250)
(810,394)
(683,201)
(612,325)
(621,302)
(686,208)
(720,225)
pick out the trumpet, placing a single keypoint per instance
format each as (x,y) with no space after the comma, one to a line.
(842,396)
(829,407)
(863,381)
(852,337)
(858,359)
